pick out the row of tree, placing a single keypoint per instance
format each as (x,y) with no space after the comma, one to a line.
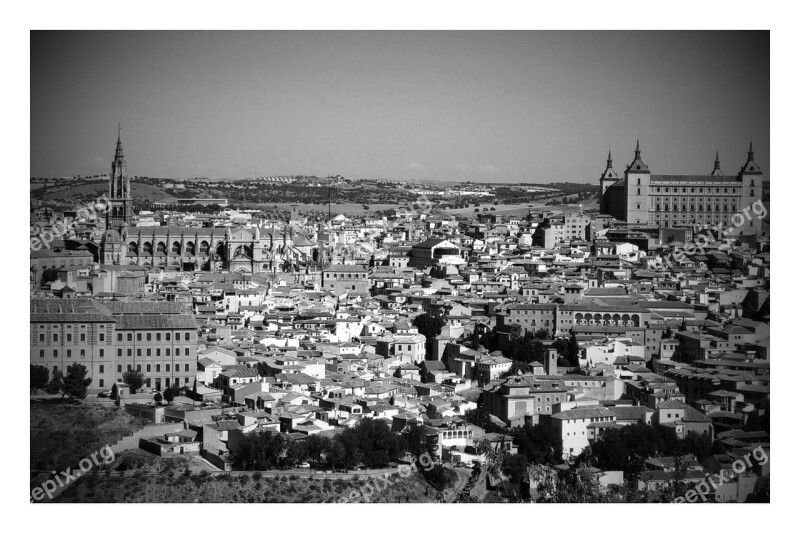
(370,442)
(73,384)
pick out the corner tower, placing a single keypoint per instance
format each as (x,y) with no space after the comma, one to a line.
(752,180)
(637,188)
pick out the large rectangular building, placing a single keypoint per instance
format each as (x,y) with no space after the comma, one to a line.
(109,338)
(684,200)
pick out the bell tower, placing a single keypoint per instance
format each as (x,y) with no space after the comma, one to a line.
(120,209)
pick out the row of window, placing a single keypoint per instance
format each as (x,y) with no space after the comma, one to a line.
(101,337)
(701,190)
(149,336)
(101,352)
(691,208)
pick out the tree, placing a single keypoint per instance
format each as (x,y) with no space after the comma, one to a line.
(134,380)
(75,382)
(263,369)
(667,333)
(157,398)
(429,325)
(40,375)
(56,380)
(171,392)
(51,274)
(515,468)
(541,443)
(417,442)
(541,334)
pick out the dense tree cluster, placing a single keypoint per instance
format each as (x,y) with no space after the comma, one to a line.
(74,383)
(40,376)
(371,443)
(626,448)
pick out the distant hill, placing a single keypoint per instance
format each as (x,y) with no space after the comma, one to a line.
(139,191)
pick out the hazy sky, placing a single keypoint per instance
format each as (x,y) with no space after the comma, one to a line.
(484,106)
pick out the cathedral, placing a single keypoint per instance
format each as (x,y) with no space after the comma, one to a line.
(179,248)
(669,200)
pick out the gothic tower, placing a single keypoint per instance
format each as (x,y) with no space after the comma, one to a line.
(120,208)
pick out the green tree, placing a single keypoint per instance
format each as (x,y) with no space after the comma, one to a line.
(541,443)
(134,380)
(171,392)
(56,381)
(157,398)
(429,325)
(75,382)
(40,375)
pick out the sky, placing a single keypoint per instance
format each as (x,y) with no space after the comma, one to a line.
(486,106)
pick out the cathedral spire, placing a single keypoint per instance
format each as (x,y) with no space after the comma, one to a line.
(750,152)
(637,153)
(609,163)
(119,154)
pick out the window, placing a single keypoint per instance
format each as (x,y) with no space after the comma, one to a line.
(138,352)
(167,368)
(83,353)
(69,337)
(100,369)
(158,336)
(158,368)
(55,353)
(69,353)
(130,337)
(130,352)
(102,352)
(102,337)
(138,368)
(186,367)
(119,337)
(41,353)
(187,334)
(167,352)
(149,337)
(166,336)
(138,336)
(148,368)
(119,368)
(148,352)
(55,337)
(83,337)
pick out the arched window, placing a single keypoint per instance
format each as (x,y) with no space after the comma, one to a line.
(176,247)
(203,247)
(190,248)
(133,248)
(161,247)
(147,248)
